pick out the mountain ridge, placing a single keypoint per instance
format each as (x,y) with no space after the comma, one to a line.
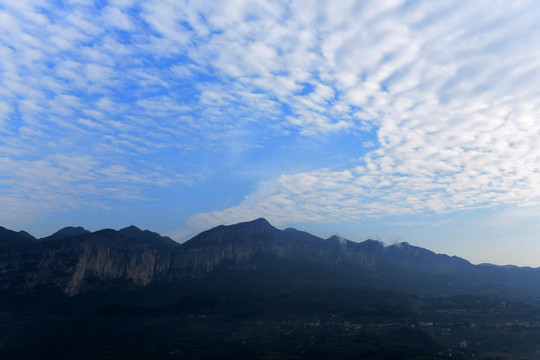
(10,238)
(75,260)
(66,232)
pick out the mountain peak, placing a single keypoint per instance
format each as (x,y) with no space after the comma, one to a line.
(130,231)
(259,222)
(337,239)
(249,230)
(10,238)
(67,232)
(261,219)
(131,227)
(257,225)
(27,235)
(134,232)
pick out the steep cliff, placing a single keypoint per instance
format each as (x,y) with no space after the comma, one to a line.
(85,262)
(75,260)
(132,257)
(240,244)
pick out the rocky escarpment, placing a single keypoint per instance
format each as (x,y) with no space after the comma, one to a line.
(86,262)
(75,261)
(239,244)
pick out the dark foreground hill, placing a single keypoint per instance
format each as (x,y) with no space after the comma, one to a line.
(251,291)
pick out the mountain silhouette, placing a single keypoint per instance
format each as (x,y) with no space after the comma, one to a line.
(67,232)
(10,238)
(75,261)
(134,232)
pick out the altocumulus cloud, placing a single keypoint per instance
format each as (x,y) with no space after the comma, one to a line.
(96,99)
(449,87)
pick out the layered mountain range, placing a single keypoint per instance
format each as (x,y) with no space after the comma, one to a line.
(76,261)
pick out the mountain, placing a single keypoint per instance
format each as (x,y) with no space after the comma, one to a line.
(85,261)
(244,245)
(74,261)
(134,232)
(240,243)
(67,232)
(252,291)
(27,235)
(10,238)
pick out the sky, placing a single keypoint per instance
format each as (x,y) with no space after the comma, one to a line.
(413,121)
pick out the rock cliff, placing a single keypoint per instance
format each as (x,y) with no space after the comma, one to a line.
(85,262)
(76,261)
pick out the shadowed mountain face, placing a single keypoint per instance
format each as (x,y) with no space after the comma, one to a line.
(67,232)
(134,232)
(86,261)
(241,245)
(10,238)
(258,230)
(74,261)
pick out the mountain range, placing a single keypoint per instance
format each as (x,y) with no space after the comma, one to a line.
(252,291)
(75,261)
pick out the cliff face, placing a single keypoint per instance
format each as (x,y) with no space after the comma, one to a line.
(83,263)
(239,244)
(132,257)
(110,258)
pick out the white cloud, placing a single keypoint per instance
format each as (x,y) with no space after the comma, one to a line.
(449,88)
(116,18)
(444,85)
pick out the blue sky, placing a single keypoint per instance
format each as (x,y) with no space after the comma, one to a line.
(412,121)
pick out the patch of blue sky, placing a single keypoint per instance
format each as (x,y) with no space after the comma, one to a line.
(307,88)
